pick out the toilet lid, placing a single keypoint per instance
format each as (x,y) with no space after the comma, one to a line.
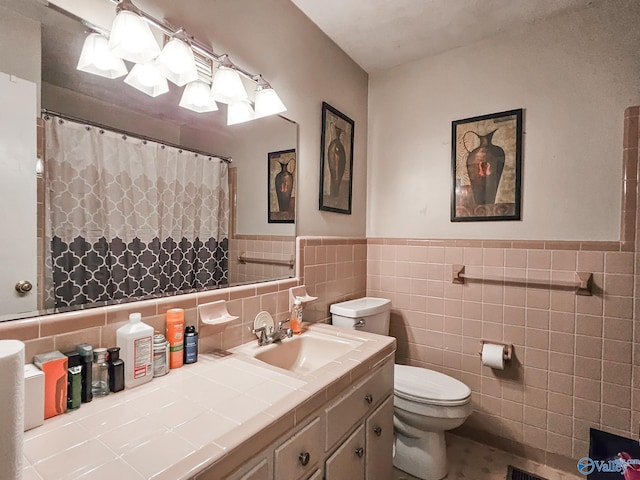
(427,386)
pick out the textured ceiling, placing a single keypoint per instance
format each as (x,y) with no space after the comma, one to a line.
(379,34)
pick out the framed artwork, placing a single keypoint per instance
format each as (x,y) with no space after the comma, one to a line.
(281,186)
(486,158)
(336,161)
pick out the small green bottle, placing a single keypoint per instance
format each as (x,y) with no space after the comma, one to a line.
(74,381)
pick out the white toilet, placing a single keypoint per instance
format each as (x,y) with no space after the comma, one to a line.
(426,403)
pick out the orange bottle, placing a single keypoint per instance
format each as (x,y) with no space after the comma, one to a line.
(175,336)
(295,321)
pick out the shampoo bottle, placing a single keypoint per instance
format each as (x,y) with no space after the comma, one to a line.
(175,336)
(136,349)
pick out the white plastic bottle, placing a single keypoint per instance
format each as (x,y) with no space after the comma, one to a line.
(135,340)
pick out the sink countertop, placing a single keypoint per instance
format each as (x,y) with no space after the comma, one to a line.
(221,411)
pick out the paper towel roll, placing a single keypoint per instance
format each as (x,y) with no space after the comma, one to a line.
(493,355)
(12,408)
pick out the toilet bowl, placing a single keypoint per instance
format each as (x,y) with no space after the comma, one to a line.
(426,402)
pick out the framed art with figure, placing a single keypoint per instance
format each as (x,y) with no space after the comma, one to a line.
(281,187)
(486,157)
(336,161)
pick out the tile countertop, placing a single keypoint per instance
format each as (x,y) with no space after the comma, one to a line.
(220,411)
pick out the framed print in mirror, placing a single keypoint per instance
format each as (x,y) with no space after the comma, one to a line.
(281,187)
(336,161)
(486,157)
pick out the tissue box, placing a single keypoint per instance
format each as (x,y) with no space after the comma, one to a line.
(55,366)
(33,397)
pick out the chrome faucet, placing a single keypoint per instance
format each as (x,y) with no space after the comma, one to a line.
(266,338)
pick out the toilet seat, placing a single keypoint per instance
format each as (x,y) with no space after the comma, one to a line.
(429,387)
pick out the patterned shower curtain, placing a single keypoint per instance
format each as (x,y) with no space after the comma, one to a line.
(130,218)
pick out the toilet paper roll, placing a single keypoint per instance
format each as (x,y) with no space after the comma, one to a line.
(493,355)
(12,408)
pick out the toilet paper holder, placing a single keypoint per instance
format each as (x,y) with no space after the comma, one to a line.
(507,348)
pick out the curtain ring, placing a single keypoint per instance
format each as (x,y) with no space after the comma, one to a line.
(101,131)
(124,137)
(87,128)
(60,121)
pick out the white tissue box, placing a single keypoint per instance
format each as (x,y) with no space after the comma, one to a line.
(33,397)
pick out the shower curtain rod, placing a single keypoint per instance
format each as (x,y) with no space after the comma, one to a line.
(133,135)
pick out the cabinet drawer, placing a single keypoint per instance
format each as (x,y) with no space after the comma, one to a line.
(348,460)
(343,414)
(379,442)
(300,454)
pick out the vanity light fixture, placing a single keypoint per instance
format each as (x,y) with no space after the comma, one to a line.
(147,78)
(267,100)
(197,97)
(177,63)
(227,85)
(131,38)
(184,61)
(96,58)
(240,112)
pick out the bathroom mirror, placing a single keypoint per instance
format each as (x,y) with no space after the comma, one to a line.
(56,40)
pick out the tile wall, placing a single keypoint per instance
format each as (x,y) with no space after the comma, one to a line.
(266,247)
(576,357)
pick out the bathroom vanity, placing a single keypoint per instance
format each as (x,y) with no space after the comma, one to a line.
(232,415)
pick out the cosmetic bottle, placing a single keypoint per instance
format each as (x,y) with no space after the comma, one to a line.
(100,374)
(295,321)
(160,355)
(135,340)
(116,370)
(74,381)
(175,336)
(86,359)
(190,345)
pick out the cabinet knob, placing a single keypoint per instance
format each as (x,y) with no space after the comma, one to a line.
(23,286)
(369,398)
(359,452)
(304,458)
(377,431)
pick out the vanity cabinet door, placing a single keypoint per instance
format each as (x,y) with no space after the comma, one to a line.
(348,461)
(345,413)
(299,455)
(379,442)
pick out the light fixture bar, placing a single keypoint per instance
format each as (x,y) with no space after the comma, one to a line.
(170,31)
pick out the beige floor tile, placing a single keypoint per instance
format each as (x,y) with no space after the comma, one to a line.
(470,460)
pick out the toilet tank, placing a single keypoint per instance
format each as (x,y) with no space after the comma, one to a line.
(368,314)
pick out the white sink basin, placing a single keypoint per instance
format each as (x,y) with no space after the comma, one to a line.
(302,353)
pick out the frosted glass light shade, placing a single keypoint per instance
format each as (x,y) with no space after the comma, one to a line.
(197,97)
(227,86)
(96,58)
(176,62)
(147,78)
(131,38)
(240,112)
(268,103)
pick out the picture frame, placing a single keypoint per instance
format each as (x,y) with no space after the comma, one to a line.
(281,186)
(336,161)
(486,161)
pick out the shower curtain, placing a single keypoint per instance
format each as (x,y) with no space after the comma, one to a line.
(130,218)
